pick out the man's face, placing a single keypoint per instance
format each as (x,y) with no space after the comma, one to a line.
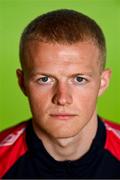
(62,83)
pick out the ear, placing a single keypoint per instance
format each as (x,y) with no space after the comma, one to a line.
(105,80)
(21,81)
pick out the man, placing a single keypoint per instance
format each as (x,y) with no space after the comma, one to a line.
(62,55)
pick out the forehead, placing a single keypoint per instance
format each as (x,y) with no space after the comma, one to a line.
(44,55)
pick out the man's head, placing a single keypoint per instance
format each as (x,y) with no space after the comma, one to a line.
(63,27)
(62,54)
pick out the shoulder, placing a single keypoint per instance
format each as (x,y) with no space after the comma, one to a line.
(112,138)
(10,135)
(12,146)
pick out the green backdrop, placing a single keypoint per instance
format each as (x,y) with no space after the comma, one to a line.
(15,14)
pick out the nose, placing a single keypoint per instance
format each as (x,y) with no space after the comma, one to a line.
(62,95)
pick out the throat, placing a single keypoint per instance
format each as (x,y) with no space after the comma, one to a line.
(68,149)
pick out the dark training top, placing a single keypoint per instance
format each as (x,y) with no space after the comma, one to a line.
(22,155)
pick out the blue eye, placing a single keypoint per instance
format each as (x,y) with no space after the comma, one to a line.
(79,79)
(44,79)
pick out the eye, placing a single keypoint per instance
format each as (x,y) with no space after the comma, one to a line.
(45,80)
(80,80)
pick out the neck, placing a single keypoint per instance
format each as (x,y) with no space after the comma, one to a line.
(70,148)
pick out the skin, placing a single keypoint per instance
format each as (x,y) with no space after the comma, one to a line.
(62,83)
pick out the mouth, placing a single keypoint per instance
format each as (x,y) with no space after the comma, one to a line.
(63,116)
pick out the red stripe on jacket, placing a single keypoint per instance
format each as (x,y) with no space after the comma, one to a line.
(113,138)
(12,146)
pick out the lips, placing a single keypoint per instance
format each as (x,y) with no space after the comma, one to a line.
(63,116)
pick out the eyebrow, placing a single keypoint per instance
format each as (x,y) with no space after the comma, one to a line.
(91,74)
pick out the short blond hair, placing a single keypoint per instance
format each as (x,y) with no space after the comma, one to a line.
(63,26)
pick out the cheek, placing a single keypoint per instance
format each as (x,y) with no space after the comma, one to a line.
(39,100)
(38,94)
(86,98)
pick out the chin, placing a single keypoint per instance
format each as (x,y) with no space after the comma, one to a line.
(64,133)
(60,130)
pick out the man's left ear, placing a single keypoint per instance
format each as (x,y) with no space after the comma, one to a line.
(105,80)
